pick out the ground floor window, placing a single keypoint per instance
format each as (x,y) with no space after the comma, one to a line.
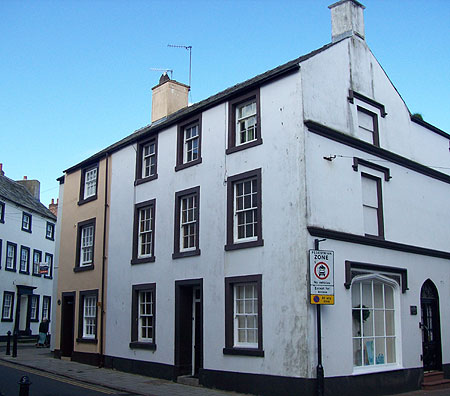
(374,320)
(87,328)
(46,301)
(143,316)
(7,307)
(34,308)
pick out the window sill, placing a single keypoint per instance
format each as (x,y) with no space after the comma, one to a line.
(24,272)
(145,179)
(6,320)
(234,149)
(84,268)
(188,164)
(376,369)
(243,352)
(143,260)
(142,345)
(87,340)
(83,201)
(50,239)
(189,253)
(244,245)
(10,269)
(38,275)
(24,229)
(34,320)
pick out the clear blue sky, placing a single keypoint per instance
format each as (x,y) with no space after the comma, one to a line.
(75,74)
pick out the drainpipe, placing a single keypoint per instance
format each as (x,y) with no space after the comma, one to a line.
(102,292)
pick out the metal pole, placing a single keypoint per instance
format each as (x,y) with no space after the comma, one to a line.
(319,369)
(24,383)
(14,351)
(8,343)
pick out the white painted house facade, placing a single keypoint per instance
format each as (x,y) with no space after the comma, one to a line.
(27,244)
(213,210)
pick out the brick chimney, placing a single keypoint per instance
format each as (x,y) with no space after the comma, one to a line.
(1,170)
(168,97)
(33,186)
(53,207)
(347,19)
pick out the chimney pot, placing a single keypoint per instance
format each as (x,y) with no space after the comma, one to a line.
(25,178)
(347,19)
(1,170)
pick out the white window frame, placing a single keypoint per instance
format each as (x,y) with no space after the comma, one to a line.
(26,262)
(244,120)
(249,314)
(191,143)
(37,264)
(89,316)
(90,182)
(46,307)
(149,159)
(11,252)
(50,231)
(145,231)
(242,212)
(26,222)
(34,307)
(375,367)
(188,222)
(86,245)
(146,317)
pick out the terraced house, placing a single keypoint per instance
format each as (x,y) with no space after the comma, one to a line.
(27,247)
(193,233)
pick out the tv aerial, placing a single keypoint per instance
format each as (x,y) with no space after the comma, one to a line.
(163,70)
(188,48)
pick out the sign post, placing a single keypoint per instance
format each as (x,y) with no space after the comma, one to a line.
(321,274)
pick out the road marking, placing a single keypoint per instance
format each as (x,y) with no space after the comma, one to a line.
(56,377)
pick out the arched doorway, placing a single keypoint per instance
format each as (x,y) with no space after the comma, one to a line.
(431,327)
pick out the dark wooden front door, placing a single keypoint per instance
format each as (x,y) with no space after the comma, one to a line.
(431,332)
(67,323)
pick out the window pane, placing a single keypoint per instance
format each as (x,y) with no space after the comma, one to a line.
(356,296)
(390,350)
(389,297)
(368,324)
(368,352)
(378,295)
(357,361)
(367,294)
(380,351)
(390,325)
(379,323)
(356,323)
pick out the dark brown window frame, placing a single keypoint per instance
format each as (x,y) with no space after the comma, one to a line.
(11,319)
(196,120)
(27,272)
(30,216)
(231,181)
(80,226)
(49,223)
(138,175)
(232,104)
(1,246)
(86,169)
(376,130)
(134,343)
(37,297)
(352,94)
(230,349)
(81,296)
(380,206)
(135,259)
(2,212)
(49,298)
(49,275)
(14,268)
(362,162)
(32,262)
(176,241)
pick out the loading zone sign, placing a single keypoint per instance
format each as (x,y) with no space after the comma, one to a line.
(321,274)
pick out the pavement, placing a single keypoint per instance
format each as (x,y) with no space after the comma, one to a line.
(42,359)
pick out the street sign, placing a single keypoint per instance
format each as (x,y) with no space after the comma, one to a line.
(321,274)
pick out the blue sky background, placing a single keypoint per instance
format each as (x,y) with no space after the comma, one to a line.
(75,75)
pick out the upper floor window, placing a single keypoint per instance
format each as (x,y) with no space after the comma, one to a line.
(244,122)
(37,258)
(374,321)
(11,256)
(147,160)
(144,232)
(372,205)
(85,245)
(244,210)
(368,126)
(24,260)
(189,143)
(50,231)
(49,265)
(186,233)
(2,212)
(89,183)
(26,221)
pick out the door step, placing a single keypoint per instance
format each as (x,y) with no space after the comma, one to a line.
(188,380)
(435,380)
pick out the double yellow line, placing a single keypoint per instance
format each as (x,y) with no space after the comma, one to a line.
(58,378)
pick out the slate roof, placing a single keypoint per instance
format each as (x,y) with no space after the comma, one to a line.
(18,194)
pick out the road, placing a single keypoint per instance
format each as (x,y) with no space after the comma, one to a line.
(46,384)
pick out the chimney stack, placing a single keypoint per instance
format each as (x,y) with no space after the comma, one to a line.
(33,186)
(53,207)
(347,19)
(168,97)
(1,170)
